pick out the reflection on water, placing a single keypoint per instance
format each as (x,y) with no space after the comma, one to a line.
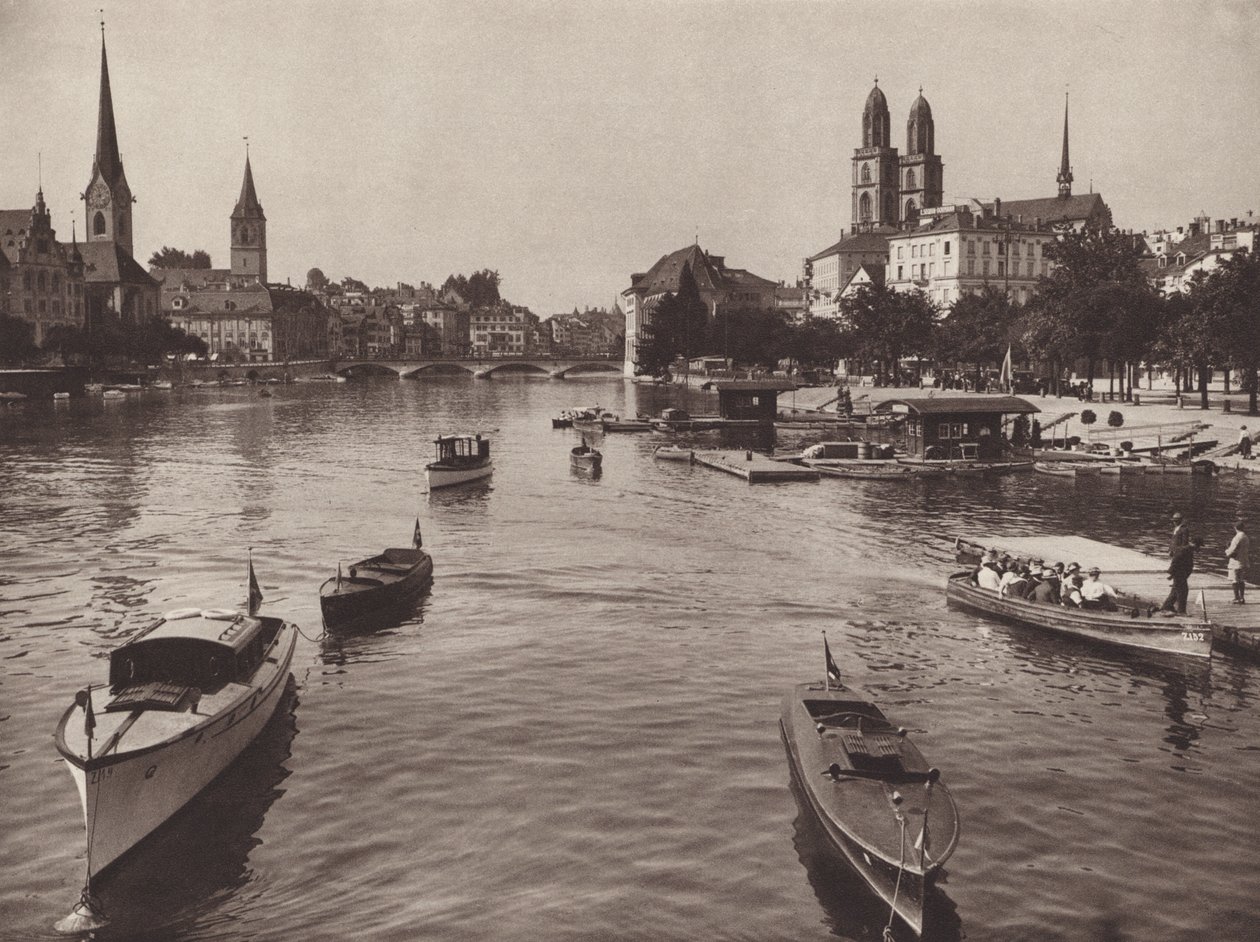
(190,870)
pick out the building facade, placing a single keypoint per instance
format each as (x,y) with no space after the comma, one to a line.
(41,279)
(718,286)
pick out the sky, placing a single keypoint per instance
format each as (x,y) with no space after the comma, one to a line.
(568,144)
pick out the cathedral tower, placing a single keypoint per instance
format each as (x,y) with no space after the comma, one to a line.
(922,173)
(107,196)
(249,233)
(875,182)
(1065,170)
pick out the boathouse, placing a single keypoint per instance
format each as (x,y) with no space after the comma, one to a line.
(955,427)
(750,400)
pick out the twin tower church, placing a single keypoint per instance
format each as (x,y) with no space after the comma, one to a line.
(891,188)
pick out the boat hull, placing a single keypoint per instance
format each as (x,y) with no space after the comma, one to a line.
(1179,635)
(588,462)
(447,476)
(340,608)
(129,795)
(859,815)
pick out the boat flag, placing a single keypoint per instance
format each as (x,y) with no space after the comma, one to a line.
(833,672)
(1005,378)
(416,539)
(255,593)
(923,841)
(89,718)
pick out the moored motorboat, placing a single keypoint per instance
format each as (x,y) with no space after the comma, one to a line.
(387,581)
(460,458)
(1068,469)
(184,697)
(872,791)
(871,471)
(585,458)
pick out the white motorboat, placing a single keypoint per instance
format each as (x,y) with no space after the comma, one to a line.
(460,458)
(185,696)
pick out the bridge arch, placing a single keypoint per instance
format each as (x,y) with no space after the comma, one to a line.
(589,366)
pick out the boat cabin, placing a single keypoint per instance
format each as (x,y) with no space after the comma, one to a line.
(751,400)
(955,427)
(188,648)
(462,449)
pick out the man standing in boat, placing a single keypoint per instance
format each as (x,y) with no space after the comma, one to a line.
(1238,553)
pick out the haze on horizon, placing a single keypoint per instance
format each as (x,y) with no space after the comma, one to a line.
(568,144)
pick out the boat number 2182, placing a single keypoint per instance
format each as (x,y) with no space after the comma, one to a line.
(1194,636)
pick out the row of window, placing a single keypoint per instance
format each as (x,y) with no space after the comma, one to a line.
(53,307)
(39,281)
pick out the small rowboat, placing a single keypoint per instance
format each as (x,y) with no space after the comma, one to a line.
(585,458)
(379,583)
(672,453)
(1068,469)
(1123,468)
(873,792)
(876,471)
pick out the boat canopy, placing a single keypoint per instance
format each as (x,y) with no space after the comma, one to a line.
(203,649)
(461,447)
(1067,549)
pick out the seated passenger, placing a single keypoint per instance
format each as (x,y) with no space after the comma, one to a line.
(1070,594)
(989,576)
(1096,594)
(1047,590)
(1014,583)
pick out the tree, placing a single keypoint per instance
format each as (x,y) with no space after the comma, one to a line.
(1229,300)
(168,257)
(888,325)
(747,335)
(978,329)
(481,289)
(17,340)
(69,343)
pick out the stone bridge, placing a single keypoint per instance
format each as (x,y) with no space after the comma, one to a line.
(556,367)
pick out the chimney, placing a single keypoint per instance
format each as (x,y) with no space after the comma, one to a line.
(997,207)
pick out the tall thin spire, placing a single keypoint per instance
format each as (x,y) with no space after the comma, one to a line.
(248,203)
(107,160)
(1065,168)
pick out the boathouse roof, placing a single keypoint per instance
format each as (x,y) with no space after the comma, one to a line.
(750,385)
(958,405)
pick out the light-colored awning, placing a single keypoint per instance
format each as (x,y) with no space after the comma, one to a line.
(1073,549)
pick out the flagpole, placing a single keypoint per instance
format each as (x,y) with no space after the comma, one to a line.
(826,666)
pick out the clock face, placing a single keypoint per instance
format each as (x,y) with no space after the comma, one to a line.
(98,196)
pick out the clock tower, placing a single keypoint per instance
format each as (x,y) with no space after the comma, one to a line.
(107,196)
(249,234)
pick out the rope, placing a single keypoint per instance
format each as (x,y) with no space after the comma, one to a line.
(888,934)
(323,634)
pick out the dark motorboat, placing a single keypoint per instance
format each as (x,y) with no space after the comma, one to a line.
(876,797)
(585,458)
(379,583)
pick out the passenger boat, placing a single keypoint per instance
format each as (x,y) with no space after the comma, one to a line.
(871,471)
(585,458)
(185,696)
(1132,627)
(379,583)
(460,458)
(672,453)
(877,799)
(614,423)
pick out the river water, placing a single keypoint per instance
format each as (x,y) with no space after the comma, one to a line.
(575,736)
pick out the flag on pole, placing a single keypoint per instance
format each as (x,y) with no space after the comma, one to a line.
(89,718)
(255,593)
(1005,378)
(833,672)
(416,539)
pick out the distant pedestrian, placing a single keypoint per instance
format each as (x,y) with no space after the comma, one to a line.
(1238,554)
(1244,443)
(1180,535)
(1179,571)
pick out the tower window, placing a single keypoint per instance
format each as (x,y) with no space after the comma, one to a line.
(98,224)
(864,208)
(910,179)
(866,173)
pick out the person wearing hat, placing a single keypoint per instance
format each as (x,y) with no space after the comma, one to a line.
(1179,572)
(1238,554)
(1244,443)
(1047,590)
(1096,594)
(1180,535)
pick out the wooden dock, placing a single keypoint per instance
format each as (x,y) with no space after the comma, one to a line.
(753,467)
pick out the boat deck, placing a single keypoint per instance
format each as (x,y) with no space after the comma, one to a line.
(753,467)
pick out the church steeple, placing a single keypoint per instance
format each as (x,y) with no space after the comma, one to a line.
(1065,169)
(249,233)
(107,196)
(875,167)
